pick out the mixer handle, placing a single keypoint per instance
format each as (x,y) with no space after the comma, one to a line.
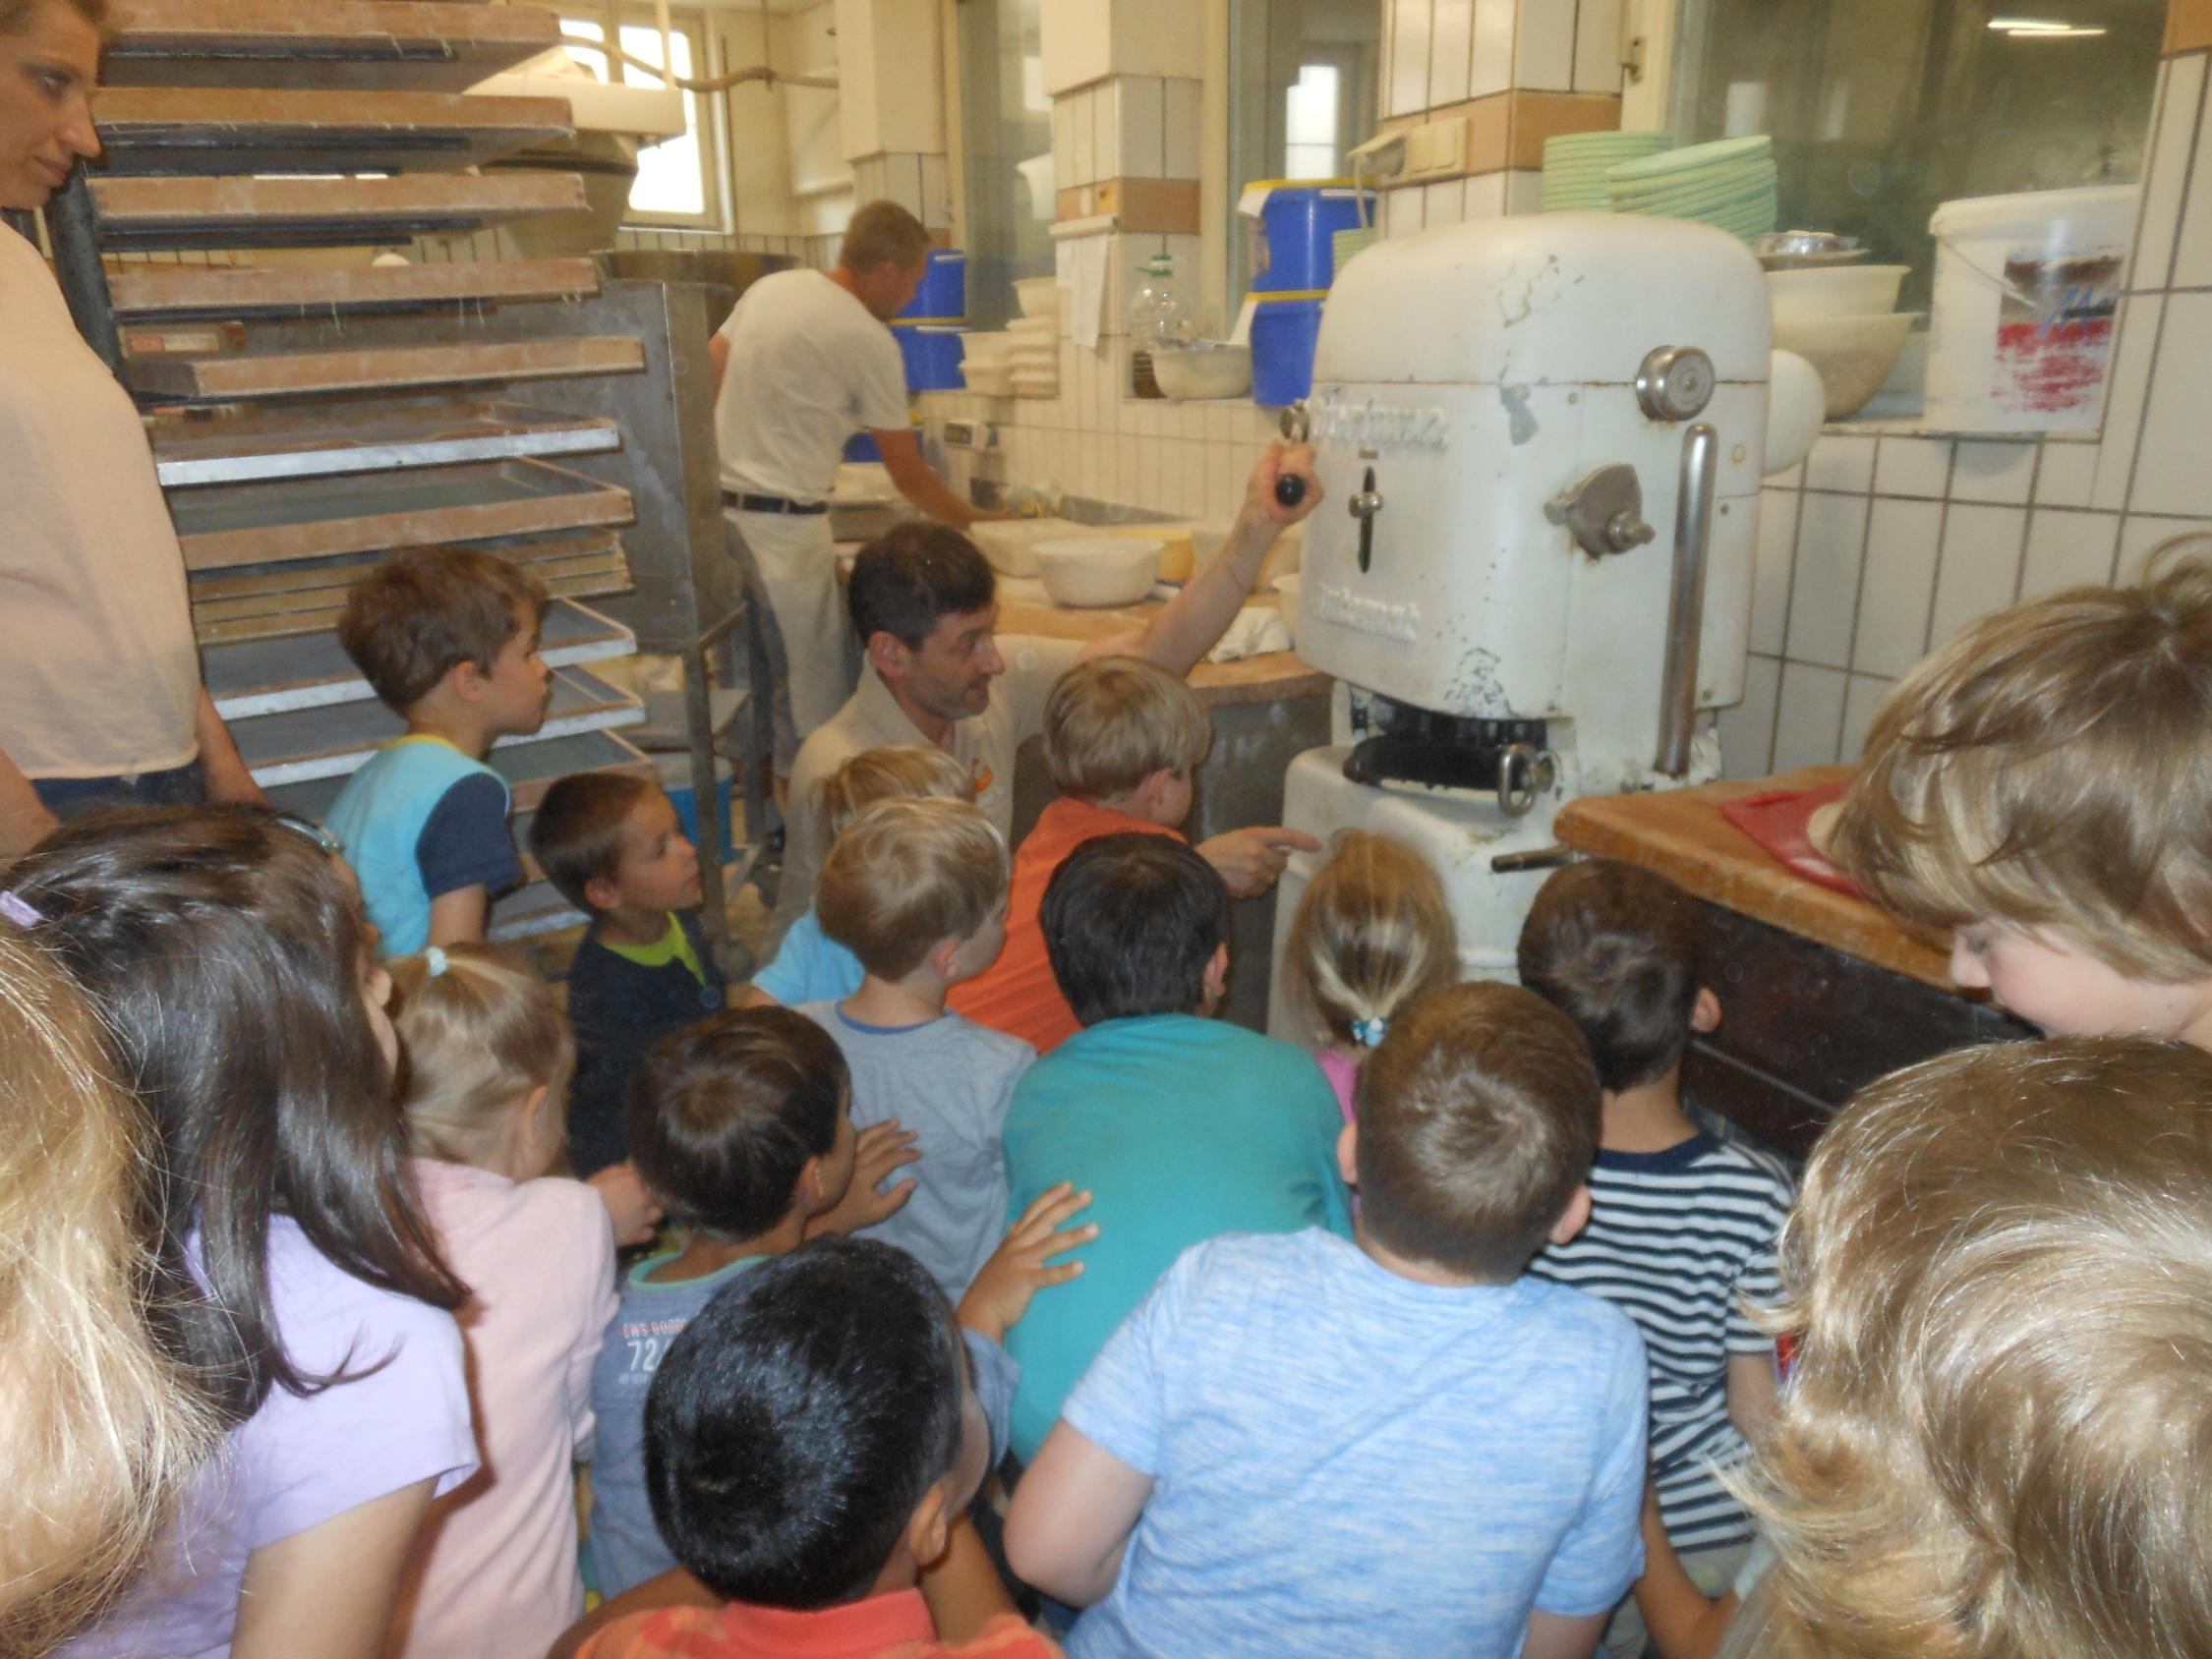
(1685,600)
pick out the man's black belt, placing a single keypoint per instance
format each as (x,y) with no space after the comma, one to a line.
(775,505)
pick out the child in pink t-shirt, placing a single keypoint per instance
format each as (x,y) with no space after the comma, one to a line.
(489,1056)
(1371,933)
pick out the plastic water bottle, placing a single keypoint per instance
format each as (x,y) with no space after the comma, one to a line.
(1156,317)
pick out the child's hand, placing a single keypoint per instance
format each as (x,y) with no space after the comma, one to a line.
(1016,1270)
(877,1151)
(1248,861)
(628,1205)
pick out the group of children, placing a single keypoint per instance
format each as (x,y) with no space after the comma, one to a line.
(996,1266)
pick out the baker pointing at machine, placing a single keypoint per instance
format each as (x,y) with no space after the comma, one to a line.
(924,603)
(804,362)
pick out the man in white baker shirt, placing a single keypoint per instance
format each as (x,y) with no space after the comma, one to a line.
(803,363)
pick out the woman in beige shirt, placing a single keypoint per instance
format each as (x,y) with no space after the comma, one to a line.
(100,700)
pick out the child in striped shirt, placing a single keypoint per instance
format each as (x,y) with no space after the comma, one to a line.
(1682,1227)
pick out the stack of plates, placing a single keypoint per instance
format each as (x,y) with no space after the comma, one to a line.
(1034,356)
(1729,185)
(1575,163)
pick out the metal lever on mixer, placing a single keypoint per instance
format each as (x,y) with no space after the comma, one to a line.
(1364,506)
(1685,600)
(1524,773)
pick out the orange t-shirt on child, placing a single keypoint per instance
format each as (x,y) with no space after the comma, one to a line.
(1017,993)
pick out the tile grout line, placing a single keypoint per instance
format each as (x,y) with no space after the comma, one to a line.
(1935,565)
(2158,336)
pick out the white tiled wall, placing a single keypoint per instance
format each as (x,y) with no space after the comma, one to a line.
(1883,546)
(1132,127)
(1442,52)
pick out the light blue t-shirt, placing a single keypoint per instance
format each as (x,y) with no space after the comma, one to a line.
(950,1081)
(810,967)
(1349,1461)
(1183,1129)
(625,1544)
(407,848)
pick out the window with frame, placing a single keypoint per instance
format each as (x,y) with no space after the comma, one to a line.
(1007,133)
(679,180)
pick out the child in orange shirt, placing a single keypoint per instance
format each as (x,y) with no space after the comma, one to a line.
(1121,738)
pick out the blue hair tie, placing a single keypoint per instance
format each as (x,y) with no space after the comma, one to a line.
(438,959)
(1370,1032)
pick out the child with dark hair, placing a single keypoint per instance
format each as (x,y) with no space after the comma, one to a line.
(741,1127)
(812,1439)
(299,1279)
(447,638)
(616,849)
(1184,1128)
(1403,1445)
(1683,1228)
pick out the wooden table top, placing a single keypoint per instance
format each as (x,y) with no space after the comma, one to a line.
(1681,834)
(1266,679)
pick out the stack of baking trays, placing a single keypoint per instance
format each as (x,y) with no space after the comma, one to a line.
(311,412)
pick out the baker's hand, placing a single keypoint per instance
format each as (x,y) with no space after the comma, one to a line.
(1283,460)
(1250,861)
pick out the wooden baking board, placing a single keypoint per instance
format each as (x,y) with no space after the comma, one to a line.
(1266,679)
(236,375)
(1681,834)
(276,601)
(252,446)
(312,670)
(230,525)
(322,130)
(530,769)
(427,43)
(250,213)
(336,739)
(143,291)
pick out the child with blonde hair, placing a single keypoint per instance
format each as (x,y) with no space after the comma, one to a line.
(104,1429)
(2000,1277)
(1373,931)
(2038,787)
(1122,739)
(916,891)
(810,966)
(488,1058)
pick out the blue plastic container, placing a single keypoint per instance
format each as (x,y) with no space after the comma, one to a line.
(942,295)
(933,357)
(676,781)
(862,447)
(1284,333)
(1300,223)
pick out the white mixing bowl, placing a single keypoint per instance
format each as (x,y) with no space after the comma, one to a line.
(1835,291)
(1098,570)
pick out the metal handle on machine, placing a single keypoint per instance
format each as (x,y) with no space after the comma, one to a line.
(1685,600)
(1364,506)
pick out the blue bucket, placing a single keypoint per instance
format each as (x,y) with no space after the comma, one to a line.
(933,357)
(942,295)
(862,447)
(1299,223)
(1284,333)
(675,782)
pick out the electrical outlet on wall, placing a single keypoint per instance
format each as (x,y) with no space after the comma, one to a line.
(1436,149)
(970,435)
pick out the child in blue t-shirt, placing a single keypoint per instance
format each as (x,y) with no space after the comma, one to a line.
(1397,1444)
(448,636)
(810,966)
(742,1127)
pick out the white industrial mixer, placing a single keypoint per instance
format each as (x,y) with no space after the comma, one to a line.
(1542,438)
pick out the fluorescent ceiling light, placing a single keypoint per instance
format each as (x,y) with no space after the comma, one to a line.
(2044,29)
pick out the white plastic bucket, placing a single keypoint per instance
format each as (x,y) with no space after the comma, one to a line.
(2026,294)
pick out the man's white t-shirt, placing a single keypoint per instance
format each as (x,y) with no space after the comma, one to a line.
(809,366)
